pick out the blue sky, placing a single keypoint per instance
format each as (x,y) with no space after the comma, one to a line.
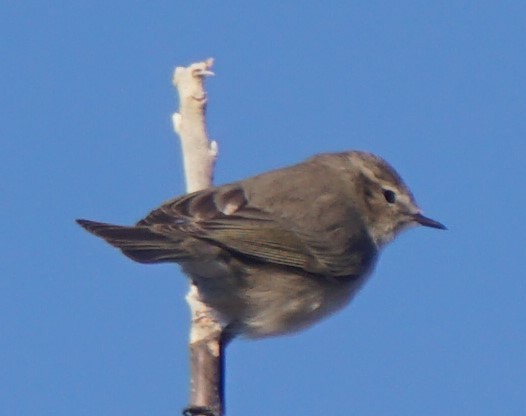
(436,88)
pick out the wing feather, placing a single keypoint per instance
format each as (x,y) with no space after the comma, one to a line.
(226,217)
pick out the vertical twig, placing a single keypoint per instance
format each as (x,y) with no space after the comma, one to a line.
(199,154)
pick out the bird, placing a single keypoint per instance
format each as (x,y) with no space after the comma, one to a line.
(275,253)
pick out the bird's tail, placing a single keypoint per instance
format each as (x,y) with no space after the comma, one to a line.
(140,243)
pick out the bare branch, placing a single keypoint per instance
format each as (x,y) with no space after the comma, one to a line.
(199,154)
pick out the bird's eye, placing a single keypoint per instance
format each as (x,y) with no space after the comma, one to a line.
(389,196)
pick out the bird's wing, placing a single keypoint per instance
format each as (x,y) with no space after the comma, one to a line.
(225,217)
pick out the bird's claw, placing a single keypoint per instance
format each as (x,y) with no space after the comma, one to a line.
(199,411)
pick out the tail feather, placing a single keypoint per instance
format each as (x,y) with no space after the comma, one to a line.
(140,243)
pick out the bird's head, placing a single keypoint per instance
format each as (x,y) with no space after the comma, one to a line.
(385,202)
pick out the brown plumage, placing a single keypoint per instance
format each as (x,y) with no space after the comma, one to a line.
(276,252)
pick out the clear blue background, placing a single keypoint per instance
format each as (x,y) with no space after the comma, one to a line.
(437,88)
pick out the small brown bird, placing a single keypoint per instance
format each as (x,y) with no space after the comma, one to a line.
(277,252)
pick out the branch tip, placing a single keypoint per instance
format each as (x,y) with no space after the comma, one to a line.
(196,70)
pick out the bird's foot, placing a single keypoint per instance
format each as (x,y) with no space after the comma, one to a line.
(199,411)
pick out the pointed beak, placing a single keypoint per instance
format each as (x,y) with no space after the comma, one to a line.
(428,222)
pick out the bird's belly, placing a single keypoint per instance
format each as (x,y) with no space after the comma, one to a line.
(271,300)
(296,303)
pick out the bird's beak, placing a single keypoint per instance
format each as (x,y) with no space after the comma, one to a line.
(428,222)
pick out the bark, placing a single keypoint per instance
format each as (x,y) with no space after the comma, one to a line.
(199,155)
